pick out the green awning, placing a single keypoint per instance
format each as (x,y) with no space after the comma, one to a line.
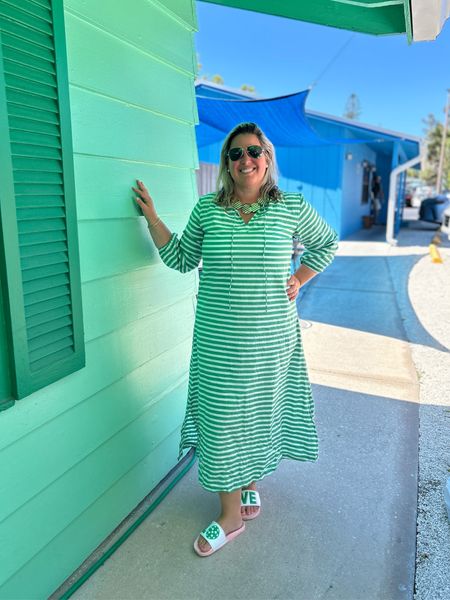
(365,16)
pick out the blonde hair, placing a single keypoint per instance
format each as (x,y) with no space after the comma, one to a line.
(225,184)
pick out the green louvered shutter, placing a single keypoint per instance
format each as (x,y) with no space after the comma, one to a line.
(39,229)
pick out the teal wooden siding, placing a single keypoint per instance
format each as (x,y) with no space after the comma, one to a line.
(40,249)
(6,399)
(78,456)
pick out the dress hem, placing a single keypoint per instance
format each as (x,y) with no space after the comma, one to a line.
(258,477)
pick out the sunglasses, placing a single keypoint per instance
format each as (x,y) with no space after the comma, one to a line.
(238,152)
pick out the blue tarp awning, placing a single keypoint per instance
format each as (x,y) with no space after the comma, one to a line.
(282,119)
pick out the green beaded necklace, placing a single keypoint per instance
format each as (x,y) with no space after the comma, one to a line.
(249,208)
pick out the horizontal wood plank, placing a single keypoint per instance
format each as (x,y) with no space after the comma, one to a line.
(144,80)
(59,444)
(114,302)
(116,246)
(104,187)
(143,25)
(184,11)
(92,526)
(44,516)
(138,134)
(109,358)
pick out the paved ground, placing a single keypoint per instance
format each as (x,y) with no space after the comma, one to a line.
(345,527)
(427,322)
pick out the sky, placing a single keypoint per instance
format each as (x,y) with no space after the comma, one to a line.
(397,84)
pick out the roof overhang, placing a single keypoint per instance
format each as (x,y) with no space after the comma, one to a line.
(377,138)
(420,19)
(428,18)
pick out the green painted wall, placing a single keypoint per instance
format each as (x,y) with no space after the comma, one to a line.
(77,456)
(5,378)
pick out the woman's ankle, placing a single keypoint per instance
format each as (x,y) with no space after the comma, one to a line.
(231,518)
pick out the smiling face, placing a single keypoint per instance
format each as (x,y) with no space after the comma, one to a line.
(247,172)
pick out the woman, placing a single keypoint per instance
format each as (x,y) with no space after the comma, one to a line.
(249,399)
(377,197)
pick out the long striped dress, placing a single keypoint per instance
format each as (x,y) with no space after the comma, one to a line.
(249,398)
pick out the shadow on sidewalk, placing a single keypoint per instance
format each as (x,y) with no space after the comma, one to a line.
(412,233)
(341,528)
(367,293)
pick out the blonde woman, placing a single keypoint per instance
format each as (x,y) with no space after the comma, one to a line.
(249,399)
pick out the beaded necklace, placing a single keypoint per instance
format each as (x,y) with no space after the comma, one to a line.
(249,208)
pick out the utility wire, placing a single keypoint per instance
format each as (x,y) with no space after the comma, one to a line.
(330,62)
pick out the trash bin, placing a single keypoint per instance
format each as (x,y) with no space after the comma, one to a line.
(367,221)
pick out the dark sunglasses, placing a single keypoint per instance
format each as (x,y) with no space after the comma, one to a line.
(238,152)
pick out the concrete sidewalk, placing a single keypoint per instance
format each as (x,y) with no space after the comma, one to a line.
(344,527)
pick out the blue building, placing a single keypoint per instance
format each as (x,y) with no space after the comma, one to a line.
(331,160)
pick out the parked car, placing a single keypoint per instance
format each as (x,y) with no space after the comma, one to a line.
(421,193)
(411,185)
(445,227)
(432,209)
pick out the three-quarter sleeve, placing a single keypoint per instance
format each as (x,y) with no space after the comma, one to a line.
(318,238)
(184,254)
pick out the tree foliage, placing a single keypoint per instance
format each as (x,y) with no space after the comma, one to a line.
(217,79)
(353,107)
(433,139)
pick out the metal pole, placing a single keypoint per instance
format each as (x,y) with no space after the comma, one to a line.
(442,154)
(392,201)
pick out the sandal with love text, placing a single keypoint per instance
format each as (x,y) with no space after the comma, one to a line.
(250,498)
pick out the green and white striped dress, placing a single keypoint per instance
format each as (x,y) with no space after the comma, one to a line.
(249,398)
